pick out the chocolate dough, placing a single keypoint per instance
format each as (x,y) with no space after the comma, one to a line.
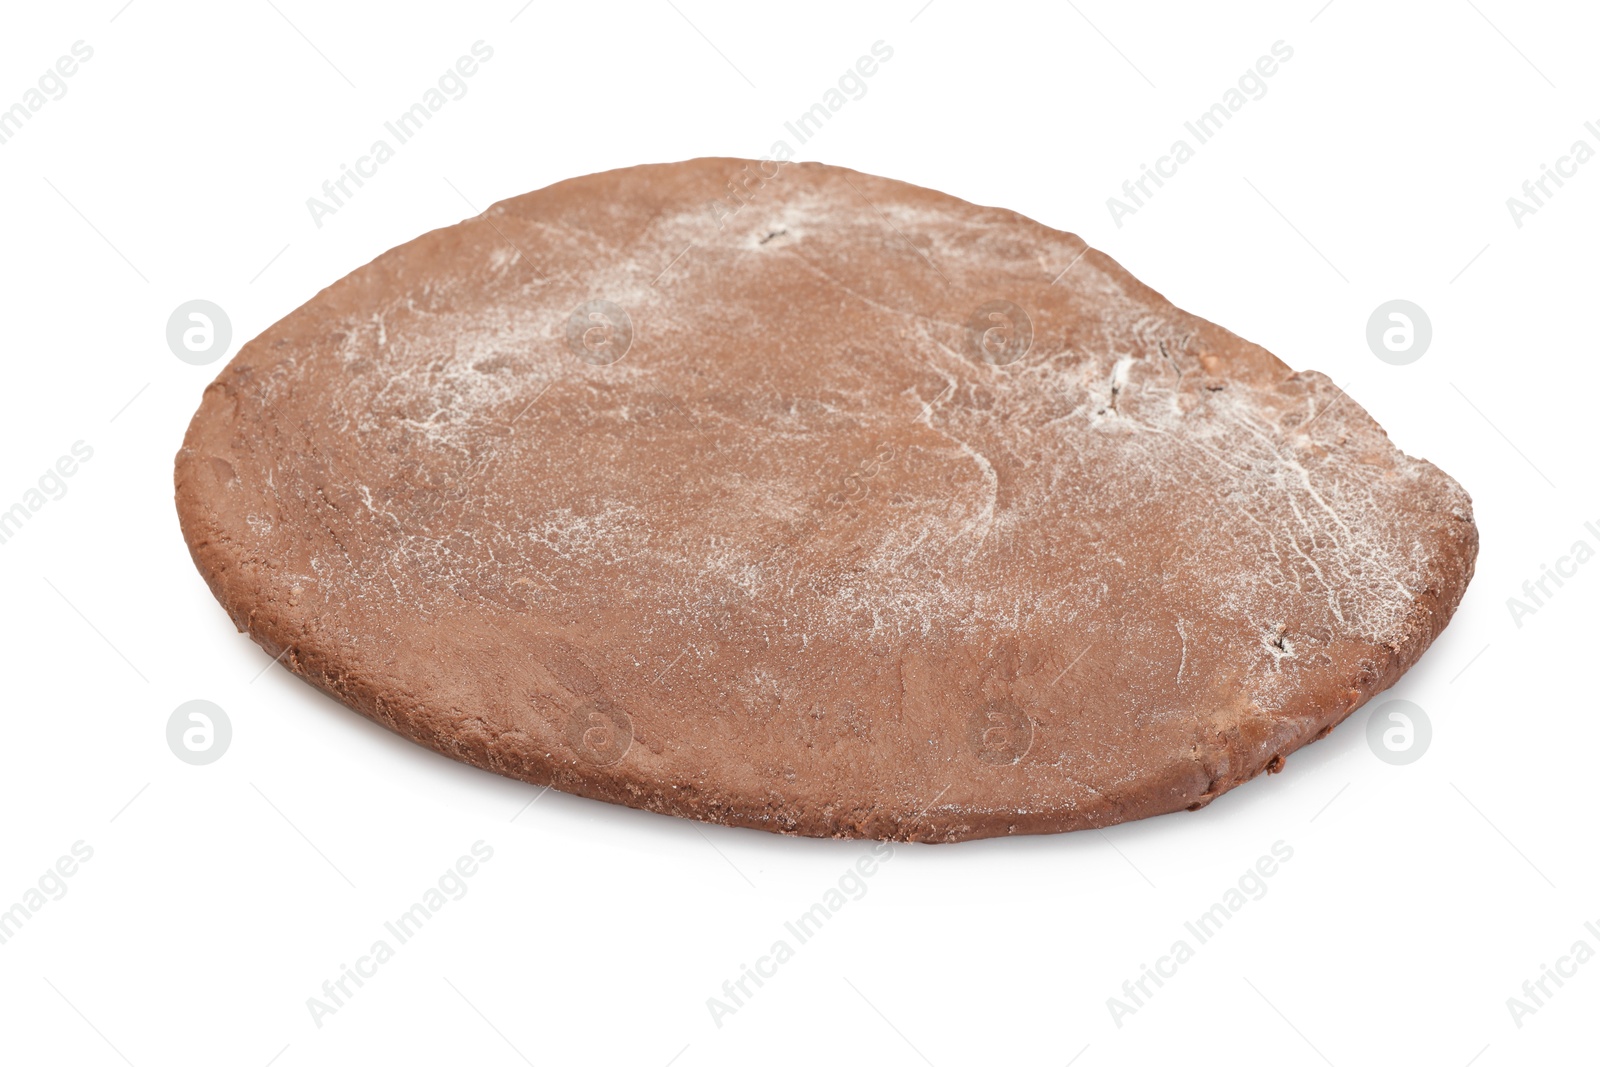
(817,502)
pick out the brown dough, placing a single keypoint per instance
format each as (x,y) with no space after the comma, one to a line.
(881,526)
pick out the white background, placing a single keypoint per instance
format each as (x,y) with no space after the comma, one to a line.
(219,898)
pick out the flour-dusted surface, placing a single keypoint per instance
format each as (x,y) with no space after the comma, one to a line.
(810,557)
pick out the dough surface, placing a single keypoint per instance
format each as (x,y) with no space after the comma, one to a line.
(831,506)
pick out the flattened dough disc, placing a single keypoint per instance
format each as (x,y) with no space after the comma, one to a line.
(830,508)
